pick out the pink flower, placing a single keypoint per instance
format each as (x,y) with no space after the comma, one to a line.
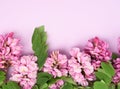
(116,65)
(57,85)
(98,50)
(24,71)
(10,50)
(80,67)
(56,64)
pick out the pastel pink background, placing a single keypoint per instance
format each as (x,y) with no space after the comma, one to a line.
(67,22)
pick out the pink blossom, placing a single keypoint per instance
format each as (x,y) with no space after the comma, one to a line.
(80,67)
(56,64)
(98,50)
(10,50)
(116,65)
(57,85)
(24,71)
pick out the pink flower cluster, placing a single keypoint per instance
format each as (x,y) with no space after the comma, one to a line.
(80,67)
(24,71)
(116,65)
(10,50)
(98,50)
(57,66)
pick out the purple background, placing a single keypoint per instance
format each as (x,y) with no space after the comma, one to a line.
(67,22)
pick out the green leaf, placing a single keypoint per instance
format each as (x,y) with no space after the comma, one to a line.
(66,79)
(42,78)
(2,73)
(105,75)
(108,68)
(39,45)
(44,74)
(102,76)
(75,87)
(45,86)
(2,77)
(68,86)
(69,80)
(114,56)
(112,86)
(53,80)
(118,86)
(88,88)
(41,81)
(5,87)
(100,85)
(81,87)
(35,87)
(11,85)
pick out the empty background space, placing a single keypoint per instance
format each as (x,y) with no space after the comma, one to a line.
(68,23)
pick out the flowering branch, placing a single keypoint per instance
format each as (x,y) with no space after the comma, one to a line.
(94,67)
